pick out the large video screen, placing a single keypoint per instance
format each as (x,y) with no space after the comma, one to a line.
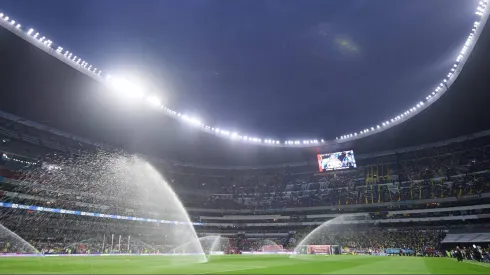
(336,161)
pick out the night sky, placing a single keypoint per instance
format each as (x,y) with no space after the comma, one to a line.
(284,68)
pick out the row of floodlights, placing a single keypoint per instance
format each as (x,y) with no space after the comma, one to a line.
(18,160)
(482,5)
(11,21)
(129,89)
(235,135)
(48,43)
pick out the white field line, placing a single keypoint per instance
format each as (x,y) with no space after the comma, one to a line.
(477,263)
(236,269)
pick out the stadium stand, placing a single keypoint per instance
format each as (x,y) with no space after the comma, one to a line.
(412,196)
(415,191)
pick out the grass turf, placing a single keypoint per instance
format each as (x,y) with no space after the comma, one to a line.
(240,264)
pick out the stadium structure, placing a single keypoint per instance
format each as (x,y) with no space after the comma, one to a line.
(419,188)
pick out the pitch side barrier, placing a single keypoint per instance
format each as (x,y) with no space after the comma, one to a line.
(268,253)
(99,254)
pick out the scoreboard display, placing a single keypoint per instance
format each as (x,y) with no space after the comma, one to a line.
(336,161)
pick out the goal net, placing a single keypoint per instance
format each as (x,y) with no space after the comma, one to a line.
(272,248)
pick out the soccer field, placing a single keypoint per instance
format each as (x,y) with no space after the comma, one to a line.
(241,264)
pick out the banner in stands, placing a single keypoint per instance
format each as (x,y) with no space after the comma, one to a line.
(398,251)
(90,214)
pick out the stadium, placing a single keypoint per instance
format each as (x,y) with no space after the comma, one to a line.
(142,188)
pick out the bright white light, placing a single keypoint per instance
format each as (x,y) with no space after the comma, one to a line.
(18,26)
(126,88)
(153,101)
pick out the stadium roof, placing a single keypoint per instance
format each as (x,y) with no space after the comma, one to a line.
(43,89)
(129,87)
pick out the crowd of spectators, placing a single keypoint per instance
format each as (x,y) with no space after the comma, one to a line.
(411,241)
(455,170)
(472,252)
(375,239)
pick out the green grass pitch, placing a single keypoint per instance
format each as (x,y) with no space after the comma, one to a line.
(240,264)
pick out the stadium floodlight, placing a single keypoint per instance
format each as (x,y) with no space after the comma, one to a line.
(12,22)
(6,18)
(127,88)
(324,141)
(153,101)
(18,26)
(377,126)
(1,15)
(30,31)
